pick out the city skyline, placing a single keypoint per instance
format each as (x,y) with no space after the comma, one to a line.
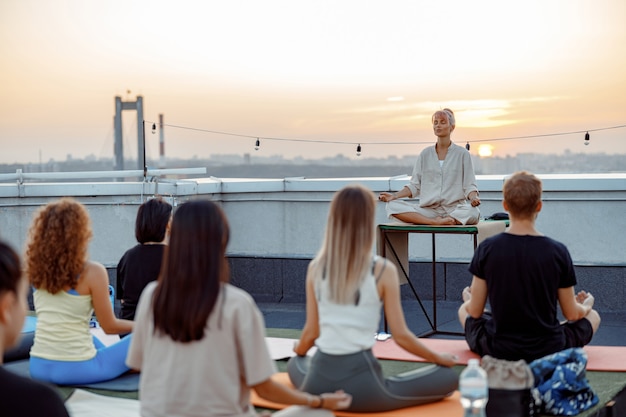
(311,79)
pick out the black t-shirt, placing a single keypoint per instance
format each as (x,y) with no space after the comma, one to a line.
(523,276)
(137,267)
(23,397)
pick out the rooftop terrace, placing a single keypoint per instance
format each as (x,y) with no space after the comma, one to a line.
(277,226)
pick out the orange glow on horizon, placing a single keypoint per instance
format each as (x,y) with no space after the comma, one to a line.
(293,70)
(485,150)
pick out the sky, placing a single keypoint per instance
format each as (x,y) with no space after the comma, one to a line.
(312,78)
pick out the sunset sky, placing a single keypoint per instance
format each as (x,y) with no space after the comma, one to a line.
(323,75)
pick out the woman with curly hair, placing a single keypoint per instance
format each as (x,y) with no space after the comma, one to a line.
(68,289)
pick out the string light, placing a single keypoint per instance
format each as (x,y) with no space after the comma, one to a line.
(257,144)
(358,150)
(467,146)
(153,128)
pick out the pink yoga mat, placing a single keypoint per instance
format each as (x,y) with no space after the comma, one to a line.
(390,350)
(600,358)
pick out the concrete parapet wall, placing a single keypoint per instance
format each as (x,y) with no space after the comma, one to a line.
(285,218)
(281,280)
(277,226)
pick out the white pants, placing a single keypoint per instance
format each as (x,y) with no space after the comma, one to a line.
(462,212)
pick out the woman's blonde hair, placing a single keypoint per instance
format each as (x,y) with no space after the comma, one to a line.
(345,255)
(57,248)
(449,114)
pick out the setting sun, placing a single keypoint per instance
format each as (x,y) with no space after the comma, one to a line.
(485,150)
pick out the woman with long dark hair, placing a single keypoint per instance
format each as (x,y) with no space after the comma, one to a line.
(199,341)
(141,264)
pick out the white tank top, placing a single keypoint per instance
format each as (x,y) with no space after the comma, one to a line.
(348,328)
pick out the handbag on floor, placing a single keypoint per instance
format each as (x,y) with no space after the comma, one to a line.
(561,382)
(511,385)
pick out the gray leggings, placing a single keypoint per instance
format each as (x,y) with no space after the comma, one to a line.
(360,375)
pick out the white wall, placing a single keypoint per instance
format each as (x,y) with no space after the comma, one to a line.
(286,217)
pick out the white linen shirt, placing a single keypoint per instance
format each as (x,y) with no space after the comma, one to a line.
(447,185)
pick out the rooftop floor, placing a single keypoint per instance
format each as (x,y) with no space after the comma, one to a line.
(612,331)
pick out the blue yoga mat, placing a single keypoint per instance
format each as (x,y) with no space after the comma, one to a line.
(126,382)
(29,324)
(22,349)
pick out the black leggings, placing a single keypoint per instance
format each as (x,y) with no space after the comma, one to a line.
(360,375)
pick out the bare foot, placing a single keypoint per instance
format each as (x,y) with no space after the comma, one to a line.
(443,221)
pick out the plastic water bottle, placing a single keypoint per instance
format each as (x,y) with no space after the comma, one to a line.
(474,389)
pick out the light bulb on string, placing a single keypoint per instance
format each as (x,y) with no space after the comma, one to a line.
(257,144)
(358,150)
(467,146)
(153,128)
(586,138)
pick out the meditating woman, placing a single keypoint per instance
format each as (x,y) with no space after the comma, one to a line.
(199,341)
(69,288)
(345,289)
(19,396)
(443,179)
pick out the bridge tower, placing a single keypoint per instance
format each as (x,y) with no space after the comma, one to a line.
(118,147)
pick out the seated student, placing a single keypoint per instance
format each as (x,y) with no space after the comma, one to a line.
(142,263)
(199,341)
(524,274)
(19,396)
(68,289)
(345,289)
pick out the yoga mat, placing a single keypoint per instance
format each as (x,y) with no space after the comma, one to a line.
(29,324)
(606,358)
(599,358)
(390,350)
(124,383)
(281,348)
(22,349)
(449,407)
(86,404)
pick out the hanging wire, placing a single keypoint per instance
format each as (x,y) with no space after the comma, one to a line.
(388,143)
